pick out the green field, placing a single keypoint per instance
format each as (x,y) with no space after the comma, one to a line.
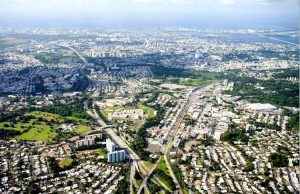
(42,126)
(40,132)
(98,151)
(194,82)
(202,79)
(187,77)
(6,42)
(162,166)
(163,174)
(55,58)
(66,162)
(82,129)
(147,110)
(47,116)
(139,182)
(148,165)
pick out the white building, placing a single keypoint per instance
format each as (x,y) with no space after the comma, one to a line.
(110,146)
(116,156)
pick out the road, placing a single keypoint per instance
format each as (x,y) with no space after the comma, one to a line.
(279,40)
(93,113)
(132,155)
(81,66)
(76,52)
(135,159)
(145,180)
(175,128)
(290,180)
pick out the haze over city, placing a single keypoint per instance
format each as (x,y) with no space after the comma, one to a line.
(150,13)
(149,96)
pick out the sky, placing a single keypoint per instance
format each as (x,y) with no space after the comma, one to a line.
(150,13)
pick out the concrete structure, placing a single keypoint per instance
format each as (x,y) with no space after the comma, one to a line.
(88,140)
(225,82)
(128,114)
(94,136)
(259,107)
(116,156)
(85,142)
(110,146)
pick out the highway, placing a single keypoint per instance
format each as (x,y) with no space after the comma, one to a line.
(278,40)
(76,52)
(175,128)
(145,180)
(135,159)
(81,66)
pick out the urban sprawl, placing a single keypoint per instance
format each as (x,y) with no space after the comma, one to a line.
(149,111)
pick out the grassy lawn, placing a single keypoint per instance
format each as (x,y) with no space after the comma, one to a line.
(82,129)
(162,165)
(194,81)
(148,164)
(191,78)
(164,181)
(164,175)
(18,126)
(47,116)
(41,126)
(32,130)
(105,112)
(102,152)
(77,120)
(65,162)
(139,182)
(147,110)
(167,183)
(185,190)
(40,132)
(10,41)
(98,151)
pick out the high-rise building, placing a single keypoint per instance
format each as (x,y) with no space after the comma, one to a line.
(116,156)
(110,146)
(85,142)
(88,140)
(225,82)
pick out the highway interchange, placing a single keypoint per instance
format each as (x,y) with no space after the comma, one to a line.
(136,163)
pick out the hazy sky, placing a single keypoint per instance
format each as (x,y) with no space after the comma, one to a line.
(149,13)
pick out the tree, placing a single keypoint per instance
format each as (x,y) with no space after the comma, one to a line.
(278,160)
